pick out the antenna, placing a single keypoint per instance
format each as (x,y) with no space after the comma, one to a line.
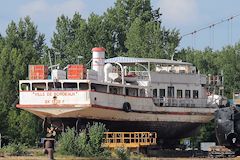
(49,56)
(79,57)
(88,63)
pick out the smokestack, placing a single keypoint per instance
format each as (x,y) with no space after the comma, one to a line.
(98,61)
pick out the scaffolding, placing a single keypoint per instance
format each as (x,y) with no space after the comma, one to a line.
(129,139)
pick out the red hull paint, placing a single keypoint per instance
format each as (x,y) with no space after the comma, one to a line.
(111,108)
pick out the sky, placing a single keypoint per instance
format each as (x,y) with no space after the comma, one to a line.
(183,15)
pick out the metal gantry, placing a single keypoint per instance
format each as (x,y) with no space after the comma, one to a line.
(129,139)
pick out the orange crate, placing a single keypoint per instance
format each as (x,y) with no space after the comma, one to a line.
(76,71)
(37,72)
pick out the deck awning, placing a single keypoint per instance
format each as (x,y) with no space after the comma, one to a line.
(132,60)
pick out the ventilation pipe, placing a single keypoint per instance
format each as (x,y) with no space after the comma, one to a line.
(98,61)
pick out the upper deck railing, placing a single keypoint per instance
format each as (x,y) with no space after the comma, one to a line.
(181,102)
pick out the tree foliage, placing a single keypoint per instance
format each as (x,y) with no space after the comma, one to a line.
(22,45)
(129,28)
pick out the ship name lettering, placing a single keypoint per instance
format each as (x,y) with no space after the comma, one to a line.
(39,94)
(53,101)
(64,94)
(47,101)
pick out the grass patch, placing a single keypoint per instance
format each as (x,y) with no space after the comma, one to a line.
(15,150)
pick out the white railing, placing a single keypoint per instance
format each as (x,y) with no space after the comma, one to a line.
(141,75)
(180,102)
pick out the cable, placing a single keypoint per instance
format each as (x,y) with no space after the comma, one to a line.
(211,25)
(213,36)
(231,23)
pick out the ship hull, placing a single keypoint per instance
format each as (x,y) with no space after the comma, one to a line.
(168,125)
(165,130)
(113,114)
(143,115)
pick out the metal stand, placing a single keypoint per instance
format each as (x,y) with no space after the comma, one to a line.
(48,143)
(0,140)
(49,147)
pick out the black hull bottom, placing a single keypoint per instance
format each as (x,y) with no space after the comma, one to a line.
(165,130)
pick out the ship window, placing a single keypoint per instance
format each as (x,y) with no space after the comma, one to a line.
(83,86)
(182,71)
(25,87)
(195,93)
(54,86)
(131,91)
(154,92)
(115,90)
(170,92)
(142,93)
(99,87)
(179,93)
(38,86)
(187,94)
(70,86)
(161,93)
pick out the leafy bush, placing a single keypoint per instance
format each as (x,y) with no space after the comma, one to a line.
(81,143)
(66,143)
(15,149)
(86,143)
(96,133)
(122,153)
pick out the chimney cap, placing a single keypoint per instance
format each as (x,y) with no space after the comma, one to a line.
(98,49)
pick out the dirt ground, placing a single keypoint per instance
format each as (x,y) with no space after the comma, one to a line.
(38,158)
(74,158)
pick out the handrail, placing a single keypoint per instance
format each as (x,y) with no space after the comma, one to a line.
(122,71)
(129,139)
(147,70)
(180,102)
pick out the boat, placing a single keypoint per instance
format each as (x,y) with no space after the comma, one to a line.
(125,93)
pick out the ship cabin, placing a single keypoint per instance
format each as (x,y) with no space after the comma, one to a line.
(167,82)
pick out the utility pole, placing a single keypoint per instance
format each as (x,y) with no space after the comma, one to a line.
(0,140)
(55,54)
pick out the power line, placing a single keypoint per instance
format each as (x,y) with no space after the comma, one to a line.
(211,25)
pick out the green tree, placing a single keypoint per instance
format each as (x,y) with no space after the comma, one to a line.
(72,39)
(228,62)
(119,19)
(21,46)
(62,38)
(151,40)
(81,41)
(207,133)
(117,31)
(135,39)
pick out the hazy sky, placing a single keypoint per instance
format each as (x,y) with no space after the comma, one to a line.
(185,15)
